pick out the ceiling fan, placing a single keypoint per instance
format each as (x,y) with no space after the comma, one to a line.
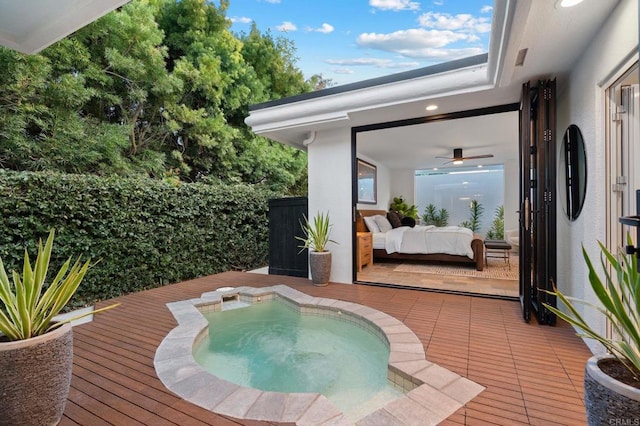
(458,158)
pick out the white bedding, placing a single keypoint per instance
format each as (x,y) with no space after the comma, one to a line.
(429,239)
(379,240)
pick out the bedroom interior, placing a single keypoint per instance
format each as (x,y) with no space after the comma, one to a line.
(409,167)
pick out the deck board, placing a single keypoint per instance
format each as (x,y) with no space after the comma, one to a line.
(114,382)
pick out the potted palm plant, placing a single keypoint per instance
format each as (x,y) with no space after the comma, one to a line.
(611,382)
(316,238)
(36,353)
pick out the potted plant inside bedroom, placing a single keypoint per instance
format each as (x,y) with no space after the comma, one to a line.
(611,382)
(316,238)
(36,353)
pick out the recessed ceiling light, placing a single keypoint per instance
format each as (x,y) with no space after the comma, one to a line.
(568,3)
(435,168)
(431,107)
(479,166)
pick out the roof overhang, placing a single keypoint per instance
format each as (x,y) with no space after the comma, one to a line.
(29,26)
(290,120)
(331,109)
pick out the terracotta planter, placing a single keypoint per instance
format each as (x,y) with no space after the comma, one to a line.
(607,400)
(320,264)
(35,379)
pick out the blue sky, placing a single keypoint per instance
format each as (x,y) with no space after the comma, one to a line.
(353,40)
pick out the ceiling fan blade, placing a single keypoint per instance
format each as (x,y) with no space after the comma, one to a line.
(478,156)
(445,158)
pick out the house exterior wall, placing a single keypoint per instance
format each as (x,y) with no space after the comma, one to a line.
(581,101)
(329,168)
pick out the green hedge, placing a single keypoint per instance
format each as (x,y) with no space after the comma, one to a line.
(145,233)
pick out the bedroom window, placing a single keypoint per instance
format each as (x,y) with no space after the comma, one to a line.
(455,189)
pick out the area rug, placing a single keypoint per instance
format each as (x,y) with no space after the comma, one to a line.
(497,269)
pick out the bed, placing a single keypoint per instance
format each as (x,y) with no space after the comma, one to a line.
(389,244)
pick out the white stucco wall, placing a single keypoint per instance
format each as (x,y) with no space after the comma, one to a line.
(330,183)
(581,102)
(403,184)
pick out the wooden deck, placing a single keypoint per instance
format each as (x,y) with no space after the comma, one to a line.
(532,374)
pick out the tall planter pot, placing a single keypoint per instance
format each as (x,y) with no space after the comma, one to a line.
(35,378)
(320,265)
(607,400)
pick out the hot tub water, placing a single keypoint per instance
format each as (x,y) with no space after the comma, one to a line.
(272,347)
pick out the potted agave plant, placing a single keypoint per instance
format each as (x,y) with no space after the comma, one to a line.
(611,382)
(316,238)
(36,353)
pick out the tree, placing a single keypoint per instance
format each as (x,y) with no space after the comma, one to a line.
(132,85)
(222,76)
(435,217)
(497,226)
(156,87)
(476,210)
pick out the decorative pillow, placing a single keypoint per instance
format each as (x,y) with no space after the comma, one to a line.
(383,223)
(408,221)
(371,224)
(394,219)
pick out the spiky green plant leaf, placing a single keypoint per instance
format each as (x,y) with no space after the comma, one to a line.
(28,312)
(316,233)
(619,297)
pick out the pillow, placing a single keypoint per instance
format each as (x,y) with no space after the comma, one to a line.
(408,221)
(383,223)
(394,219)
(371,224)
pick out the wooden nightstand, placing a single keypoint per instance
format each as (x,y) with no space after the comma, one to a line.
(365,249)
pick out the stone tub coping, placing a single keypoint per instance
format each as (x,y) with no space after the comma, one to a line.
(432,393)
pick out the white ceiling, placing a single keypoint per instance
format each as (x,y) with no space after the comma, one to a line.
(29,26)
(416,147)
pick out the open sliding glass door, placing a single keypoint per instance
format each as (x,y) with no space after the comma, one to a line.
(537,200)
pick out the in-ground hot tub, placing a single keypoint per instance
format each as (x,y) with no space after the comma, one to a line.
(228,374)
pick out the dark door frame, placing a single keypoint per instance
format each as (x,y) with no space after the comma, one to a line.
(401,123)
(538,263)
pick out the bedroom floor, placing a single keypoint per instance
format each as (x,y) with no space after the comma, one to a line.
(388,272)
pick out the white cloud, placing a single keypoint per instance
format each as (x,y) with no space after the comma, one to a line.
(460,22)
(441,55)
(410,39)
(394,4)
(343,71)
(378,63)
(286,26)
(272,1)
(438,2)
(325,29)
(472,38)
(421,44)
(240,19)
(486,9)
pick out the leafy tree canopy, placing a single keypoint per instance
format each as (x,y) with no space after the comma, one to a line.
(158,88)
